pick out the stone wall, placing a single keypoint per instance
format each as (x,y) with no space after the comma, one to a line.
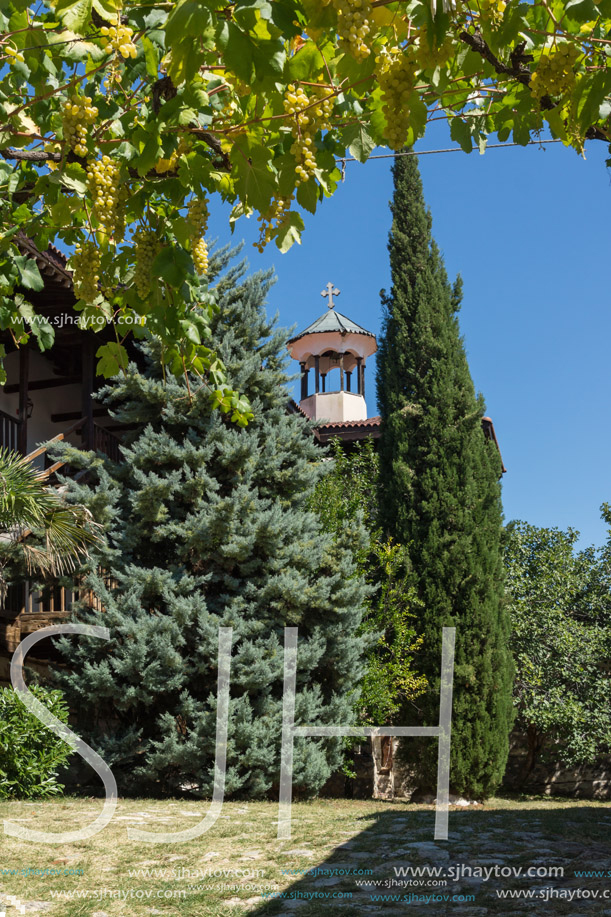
(586,781)
(379,775)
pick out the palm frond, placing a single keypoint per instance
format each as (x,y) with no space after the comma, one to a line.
(23,495)
(28,505)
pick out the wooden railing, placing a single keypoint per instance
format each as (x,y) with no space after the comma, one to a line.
(103,440)
(23,599)
(106,442)
(42,450)
(9,431)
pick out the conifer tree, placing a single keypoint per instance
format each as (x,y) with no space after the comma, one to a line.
(440,496)
(207,525)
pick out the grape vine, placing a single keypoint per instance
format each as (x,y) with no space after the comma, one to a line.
(116,115)
(271,220)
(430,55)
(170,163)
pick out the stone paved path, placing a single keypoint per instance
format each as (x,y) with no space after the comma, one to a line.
(487,855)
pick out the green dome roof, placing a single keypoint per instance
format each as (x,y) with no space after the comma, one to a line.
(332,321)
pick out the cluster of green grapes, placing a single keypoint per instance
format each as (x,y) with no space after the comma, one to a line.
(118,38)
(52,148)
(492,11)
(77,115)
(86,271)
(170,163)
(199,252)
(430,56)
(197,215)
(309,114)
(554,75)
(354,26)
(271,220)
(103,184)
(396,74)
(228,96)
(147,248)
(119,227)
(13,54)
(198,218)
(239,88)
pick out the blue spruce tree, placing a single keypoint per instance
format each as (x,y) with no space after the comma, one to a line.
(207,525)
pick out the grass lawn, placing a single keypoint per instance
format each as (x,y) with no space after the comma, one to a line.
(351,842)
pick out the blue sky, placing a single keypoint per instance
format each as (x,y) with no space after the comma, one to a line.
(528,229)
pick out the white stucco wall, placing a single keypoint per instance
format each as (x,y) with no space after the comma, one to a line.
(335,406)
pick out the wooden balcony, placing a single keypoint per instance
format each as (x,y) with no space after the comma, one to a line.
(26,610)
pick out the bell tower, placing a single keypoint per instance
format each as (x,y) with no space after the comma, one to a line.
(336,349)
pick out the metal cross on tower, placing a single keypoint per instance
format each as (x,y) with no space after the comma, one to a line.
(330,291)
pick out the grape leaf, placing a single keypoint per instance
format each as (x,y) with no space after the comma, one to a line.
(29,273)
(359,141)
(289,231)
(75,14)
(112,359)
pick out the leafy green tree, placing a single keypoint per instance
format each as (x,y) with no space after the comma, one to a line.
(30,753)
(116,115)
(560,602)
(392,681)
(346,494)
(45,534)
(207,525)
(440,496)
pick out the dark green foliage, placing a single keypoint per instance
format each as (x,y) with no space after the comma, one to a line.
(440,496)
(348,488)
(560,601)
(209,525)
(347,493)
(30,753)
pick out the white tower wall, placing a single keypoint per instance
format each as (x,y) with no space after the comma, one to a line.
(334,406)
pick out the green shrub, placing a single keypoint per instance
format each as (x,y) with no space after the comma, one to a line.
(30,753)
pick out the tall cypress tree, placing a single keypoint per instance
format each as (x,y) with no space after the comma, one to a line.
(440,495)
(207,525)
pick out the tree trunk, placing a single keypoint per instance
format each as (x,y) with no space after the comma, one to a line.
(535,741)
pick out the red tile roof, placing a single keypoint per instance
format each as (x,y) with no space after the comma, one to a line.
(51,263)
(352,424)
(324,432)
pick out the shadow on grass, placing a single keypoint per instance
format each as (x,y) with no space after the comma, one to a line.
(395,866)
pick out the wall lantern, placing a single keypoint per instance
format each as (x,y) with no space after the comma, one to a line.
(28,410)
